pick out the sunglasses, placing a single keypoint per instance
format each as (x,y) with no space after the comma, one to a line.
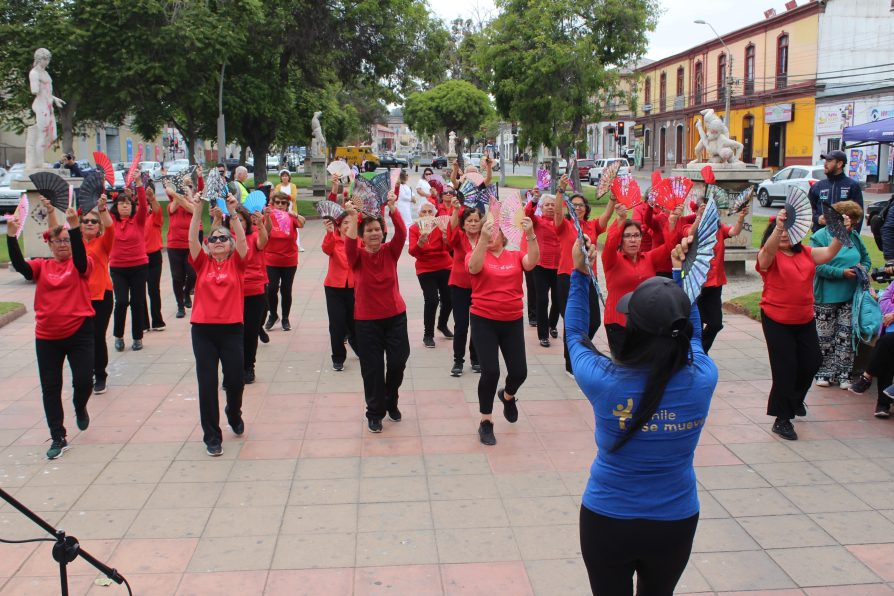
(90,222)
(280,202)
(216,239)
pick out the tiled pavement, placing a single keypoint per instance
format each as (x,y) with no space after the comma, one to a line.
(308,502)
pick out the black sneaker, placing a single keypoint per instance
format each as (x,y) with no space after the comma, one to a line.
(883,412)
(161,327)
(249,376)
(271,321)
(58,447)
(476,368)
(457,370)
(802,410)
(214,449)
(784,429)
(99,386)
(137,345)
(286,326)
(82,418)
(187,301)
(428,341)
(238,427)
(860,385)
(181,313)
(262,335)
(544,342)
(510,407)
(553,332)
(394,414)
(119,344)
(374,425)
(486,432)
(446,332)
(338,366)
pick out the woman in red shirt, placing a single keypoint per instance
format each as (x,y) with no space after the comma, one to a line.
(497,321)
(64,318)
(788,319)
(183,276)
(625,266)
(282,258)
(217,332)
(546,270)
(433,270)
(380,314)
(154,244)
(339,288)
(98,232)
(464,230)
(129,264)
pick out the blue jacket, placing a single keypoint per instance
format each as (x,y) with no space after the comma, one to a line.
(830,191)
(829,285)
(651,476)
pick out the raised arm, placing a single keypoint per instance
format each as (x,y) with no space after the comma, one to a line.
(236,227)
(52,220)
(767,253)
(740,222)
(589,366)
(15,251)
(142,205)
(195,245)
(78,250)
(607,214)
(257,221)
(530,260)
(351,251)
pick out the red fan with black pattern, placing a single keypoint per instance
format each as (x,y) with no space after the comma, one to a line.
(105,164)
(671,192)
(626,190)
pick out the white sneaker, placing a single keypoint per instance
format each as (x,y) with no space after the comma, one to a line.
(844,385)
(823,383)
(300,249)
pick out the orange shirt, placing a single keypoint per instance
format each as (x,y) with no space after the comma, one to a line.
(99,249)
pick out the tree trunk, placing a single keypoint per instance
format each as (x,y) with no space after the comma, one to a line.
(66,118)
(259,152)
(243,152)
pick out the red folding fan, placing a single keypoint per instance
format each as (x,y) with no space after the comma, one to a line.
(105,164)
(671,192)
(626,190)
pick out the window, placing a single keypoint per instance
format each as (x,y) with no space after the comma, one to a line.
(782,61)
(647,92)
(749,70)
(721,76)
(662,91)
(833,144)
(698,83)
(679,81)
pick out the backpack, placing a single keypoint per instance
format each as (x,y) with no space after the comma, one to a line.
(866,318)
(877,221)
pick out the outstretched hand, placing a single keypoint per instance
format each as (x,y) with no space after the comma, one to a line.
(580,263)
(678,254)
(71,216)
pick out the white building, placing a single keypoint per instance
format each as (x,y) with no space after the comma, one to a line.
(856,80)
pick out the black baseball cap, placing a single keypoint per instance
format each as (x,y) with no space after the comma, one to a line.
(839,155)
(657,306)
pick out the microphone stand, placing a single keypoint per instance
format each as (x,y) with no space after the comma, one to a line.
(66,549)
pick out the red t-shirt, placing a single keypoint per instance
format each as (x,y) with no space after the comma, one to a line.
(255,267)
(129,249)
(433,256)
(62,297)
(282,246)
(178,226)
(547,238)
(376,291)
(154,223)
(497,288)
(568,236)
(459,274)
(99,249)
(339,275)
(219,286)
(787,297)
(717,272)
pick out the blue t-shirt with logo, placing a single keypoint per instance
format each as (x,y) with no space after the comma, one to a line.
(651,476)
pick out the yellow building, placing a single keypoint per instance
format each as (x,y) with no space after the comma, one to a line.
(772,101)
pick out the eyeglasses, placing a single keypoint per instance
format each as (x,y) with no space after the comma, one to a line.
(280,202)
(216,239)
(579,205)
(632,236)
(61,241)
(90,222)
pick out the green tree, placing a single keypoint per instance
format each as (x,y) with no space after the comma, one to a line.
(451,106)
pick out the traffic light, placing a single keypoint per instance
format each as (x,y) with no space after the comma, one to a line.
(620,129)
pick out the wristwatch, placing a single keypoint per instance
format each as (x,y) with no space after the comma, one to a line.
(532,238)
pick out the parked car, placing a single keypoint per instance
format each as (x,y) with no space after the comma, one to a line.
(776,187)
(273,162)
(153,167)
(233,163)
(389,160)
(439,161)
(630,154)
(595,172)
(473,159)
(175,166)
(85,165)
(583,168)
(9,198)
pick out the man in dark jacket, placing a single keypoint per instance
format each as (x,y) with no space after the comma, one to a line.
(836,187)
(68,161)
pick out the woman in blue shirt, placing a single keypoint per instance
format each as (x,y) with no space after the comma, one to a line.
(640,508)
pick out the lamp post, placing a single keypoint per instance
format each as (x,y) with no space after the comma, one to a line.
(729,76)
(221,127)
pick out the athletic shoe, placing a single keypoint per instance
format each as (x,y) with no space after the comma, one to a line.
(545,342)
(161,327)
(889,391)
(262,335)
(58,447)
(394,414)
(300,249)
(239,426)
(187,300)
(844,384)
(181,313)
(374,425)
(801,410)
(486,433)
(553,332)
(249,376)
(428,341)
(457,370)
(271,321)
(214,450)
(137,345)
(99,386)
(446,332)
(338,366)
(286,326)
(883,412)
(860,385)
(476,368)
(82,418)
(510,406)
(821,382)
(784,429)
(119,344)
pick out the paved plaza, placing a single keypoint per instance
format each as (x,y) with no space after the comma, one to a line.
(309,502)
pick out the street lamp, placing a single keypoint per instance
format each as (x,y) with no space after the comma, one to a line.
(221,126)
(729,76)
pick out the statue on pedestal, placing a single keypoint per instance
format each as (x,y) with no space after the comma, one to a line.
(451,144)
(318,141)
(42,133)
(715,142)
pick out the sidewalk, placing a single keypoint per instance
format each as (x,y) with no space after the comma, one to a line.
(308,502)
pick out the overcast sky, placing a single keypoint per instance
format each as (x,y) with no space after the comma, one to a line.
(675,32)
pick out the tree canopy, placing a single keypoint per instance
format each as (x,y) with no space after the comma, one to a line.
(451,106)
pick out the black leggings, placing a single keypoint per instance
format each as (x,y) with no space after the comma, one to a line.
(710,307)
(253,309)
(881,366)
(51,355)
(103,310)
(183,276)
(129,284)
(340,308)
(153,287)
(795,358)
(215,344)
(490,338)
(280,280)
(531,291)
(564,282)
(383,347)
(435,291)
(547,310)
(462,301)
(614,549)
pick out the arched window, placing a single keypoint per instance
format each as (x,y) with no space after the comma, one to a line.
(749,69)
(662,91)
(680,81)
(699,87)
(647,92)
(721,76)
(782,61)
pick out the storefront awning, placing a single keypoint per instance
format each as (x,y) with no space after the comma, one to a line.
(871,133)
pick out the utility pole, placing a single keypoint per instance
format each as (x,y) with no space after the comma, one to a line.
(502,154)
(221,126)
(729,76)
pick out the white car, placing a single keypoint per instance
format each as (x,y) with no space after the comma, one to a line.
(176,166)
(595,172)
(473,159)
(273,162)
(153,167)
(776,187)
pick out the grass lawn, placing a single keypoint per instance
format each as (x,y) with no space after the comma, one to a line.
(526,182)
(299,180)
(6,307)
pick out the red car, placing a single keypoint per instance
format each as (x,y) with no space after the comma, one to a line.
(583,168)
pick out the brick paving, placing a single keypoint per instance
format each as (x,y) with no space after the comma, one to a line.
(308,502)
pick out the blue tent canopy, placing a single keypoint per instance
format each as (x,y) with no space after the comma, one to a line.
(871,133)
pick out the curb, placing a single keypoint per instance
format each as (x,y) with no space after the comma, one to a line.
(12,315)
(735,309)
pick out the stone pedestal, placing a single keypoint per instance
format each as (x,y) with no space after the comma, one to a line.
(733,180)
(318,176)
(36,222)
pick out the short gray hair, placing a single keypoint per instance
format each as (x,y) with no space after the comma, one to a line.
(239,171)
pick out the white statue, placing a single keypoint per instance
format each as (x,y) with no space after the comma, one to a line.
(451,143)
(318,141)
(715,142)
(42,133)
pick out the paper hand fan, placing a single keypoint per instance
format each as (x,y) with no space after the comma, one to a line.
(626,190)
(798,214)
(177,181)
(53,187)
(394,177)
(437,178)
(442,221)
(698,192)
(835,225)
(91,188)
(672,192)
(720,196)
(473,195)
(652,193)
(698,258)
(222,205)
(370,201)
(130,178)
(105,164)
(425,224)
(607,178)
(493,213)
(329,209)
(215,186)
(475,178)
(281,220)
(707,173)
(339,168)
(255,201)
(543,179)
(510,217)
(739,202)
(20,214)
(381,184)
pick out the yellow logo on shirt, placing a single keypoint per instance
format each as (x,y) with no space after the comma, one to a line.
(623,413)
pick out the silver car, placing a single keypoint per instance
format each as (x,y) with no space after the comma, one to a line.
(776,187)
(595,172)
